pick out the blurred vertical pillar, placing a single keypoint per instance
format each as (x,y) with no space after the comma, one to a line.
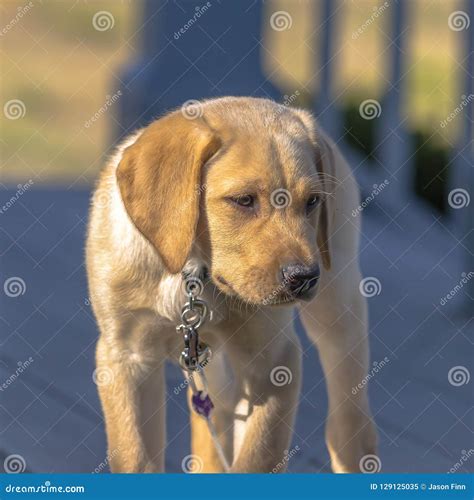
(326,111)
(463,176)
(192,49)
(393,147)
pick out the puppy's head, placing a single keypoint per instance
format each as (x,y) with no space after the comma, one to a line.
(245,186)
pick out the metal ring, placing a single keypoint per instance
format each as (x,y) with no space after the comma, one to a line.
(199,310)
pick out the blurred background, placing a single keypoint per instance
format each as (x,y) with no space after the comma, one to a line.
(392,83)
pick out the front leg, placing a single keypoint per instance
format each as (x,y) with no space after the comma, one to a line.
(271,380)
(132,394)
(336,322)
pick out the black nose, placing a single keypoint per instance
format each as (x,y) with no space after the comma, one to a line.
(300,280)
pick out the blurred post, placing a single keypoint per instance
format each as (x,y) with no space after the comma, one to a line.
(195,49)
(392,139)
(463,177)
(328,115)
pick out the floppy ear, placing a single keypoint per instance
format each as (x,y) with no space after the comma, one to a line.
(325,168)
(159,178)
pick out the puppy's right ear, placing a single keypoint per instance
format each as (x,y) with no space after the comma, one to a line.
(159,179)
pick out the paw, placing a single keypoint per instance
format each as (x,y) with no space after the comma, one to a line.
(352,446)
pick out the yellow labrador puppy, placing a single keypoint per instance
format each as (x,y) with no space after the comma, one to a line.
(254,196)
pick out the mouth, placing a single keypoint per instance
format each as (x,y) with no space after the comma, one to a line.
(225,285)
(280,299)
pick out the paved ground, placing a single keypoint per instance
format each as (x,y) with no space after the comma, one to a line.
(49,413)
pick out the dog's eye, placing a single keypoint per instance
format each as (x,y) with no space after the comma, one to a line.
(312,202)
(246,200)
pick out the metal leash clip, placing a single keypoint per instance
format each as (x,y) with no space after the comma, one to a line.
(195,356)
(193,315)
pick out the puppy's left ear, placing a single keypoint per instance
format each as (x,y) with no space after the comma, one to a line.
(159,178)
(325,167)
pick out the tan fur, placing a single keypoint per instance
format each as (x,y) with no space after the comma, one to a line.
(161,205)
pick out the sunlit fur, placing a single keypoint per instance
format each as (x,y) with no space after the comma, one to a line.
(163,205)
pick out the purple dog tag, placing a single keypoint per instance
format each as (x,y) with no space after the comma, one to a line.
(202,405)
